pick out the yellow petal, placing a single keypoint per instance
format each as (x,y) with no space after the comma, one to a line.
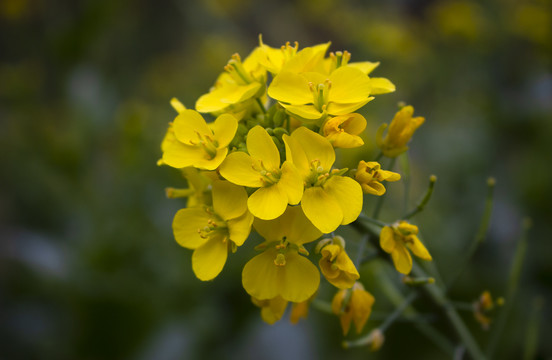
(229,200)
(188,124)
(362,302)
(224,129)
(261,277)
(321,209)
(381,86)
(209,259)
(291,183)
(233,94)
(177,105)
(274,311)
(290,88)
(296,155)
(300,278)
(335,108)
(240,227)
(238,169)
(349,85)
(387,239)
(268,202)
(293,224)
(374,188)
(348,194)
(206,163)
(211,102)
(344,140)
(418,248)
(261,146)
(389,175)
(306,112)
(179,155)
(365,66)
(401,259)
(185,224)
(315,146)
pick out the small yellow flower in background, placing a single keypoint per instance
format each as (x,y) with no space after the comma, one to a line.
(357,310)
(329,199)
(278,187)
(214,231)
(236,87)
(400,132)
(335,264)
(397,239)
(369,175)
(280,270)
(311,96)
(483,306)
(272,310)
(342,131)
(197,144)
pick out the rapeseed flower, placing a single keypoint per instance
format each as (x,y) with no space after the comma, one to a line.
(397,239)
(335,264)
(400,132)
(278,186)
(214,231)
(342,131)
(281,270)
(191,142)
(370,175)
(353,305)
(329,199)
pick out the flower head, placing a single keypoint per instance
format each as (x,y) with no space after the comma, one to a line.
(397,239)
(214,231)
(192,142)
(342,131)
(280,270)
(400,132)
(278,186)
(370,175)
(335,264)
(354,305)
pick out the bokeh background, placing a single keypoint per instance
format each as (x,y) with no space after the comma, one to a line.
(89,268)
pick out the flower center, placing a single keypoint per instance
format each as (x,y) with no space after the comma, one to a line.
(320,94)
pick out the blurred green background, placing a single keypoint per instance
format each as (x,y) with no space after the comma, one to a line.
(89,268)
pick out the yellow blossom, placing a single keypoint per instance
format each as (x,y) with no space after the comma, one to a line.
(353,305)
(336,266)
(329,199)
(483,306)
(370,175)
(199,190)
(311,96)
(278,186)
(214,231)
(194,143)
(236,87)
(397,239)
(272,310)
(280,270)
(400,132)
(342,131)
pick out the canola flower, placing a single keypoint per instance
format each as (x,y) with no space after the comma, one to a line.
(266,159)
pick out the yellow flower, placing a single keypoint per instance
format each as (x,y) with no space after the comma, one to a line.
(311,95)
(482,308)
(280,270)
(197,144)
(369,175)
(278,187)
(199,190)
(214,231)
(357,309)
(342,131)
(336,266)
(236,87)
(396,239)
(287,58)
(400,132)
(272,310)
(329,199)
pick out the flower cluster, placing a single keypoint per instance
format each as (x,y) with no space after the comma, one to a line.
(262,158)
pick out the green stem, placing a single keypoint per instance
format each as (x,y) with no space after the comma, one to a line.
(422,204)
(405,166)
(322,306)
(261,105)
(513,283)
(371,221)
(532,333)
(480,236)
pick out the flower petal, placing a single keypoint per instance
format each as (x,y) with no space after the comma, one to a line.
(290,88)
(401,259)
(291,183)
(261,277)
(188,124)
(348,193)
(296,155)
(211,164)
(209,259)
(224,129)
(335,108)
(229,200)
(185,224)
(179,155)
(381,86)
(306,112)
(268,202)
(300,278)
(321,209)
(238,169)
(349,85)
(315,146)
(387,239)
(260,146)
(418,248)
(239,228)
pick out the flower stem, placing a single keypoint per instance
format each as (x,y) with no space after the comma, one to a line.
(421,205)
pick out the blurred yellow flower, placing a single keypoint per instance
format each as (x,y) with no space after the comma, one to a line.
(357,310)
(336,266)
(329,199)
(369,175)
(400,132)
(214,231)
(278,187)
(396,239)
(272,310)
(191,142)
(280,270)
(342,131)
